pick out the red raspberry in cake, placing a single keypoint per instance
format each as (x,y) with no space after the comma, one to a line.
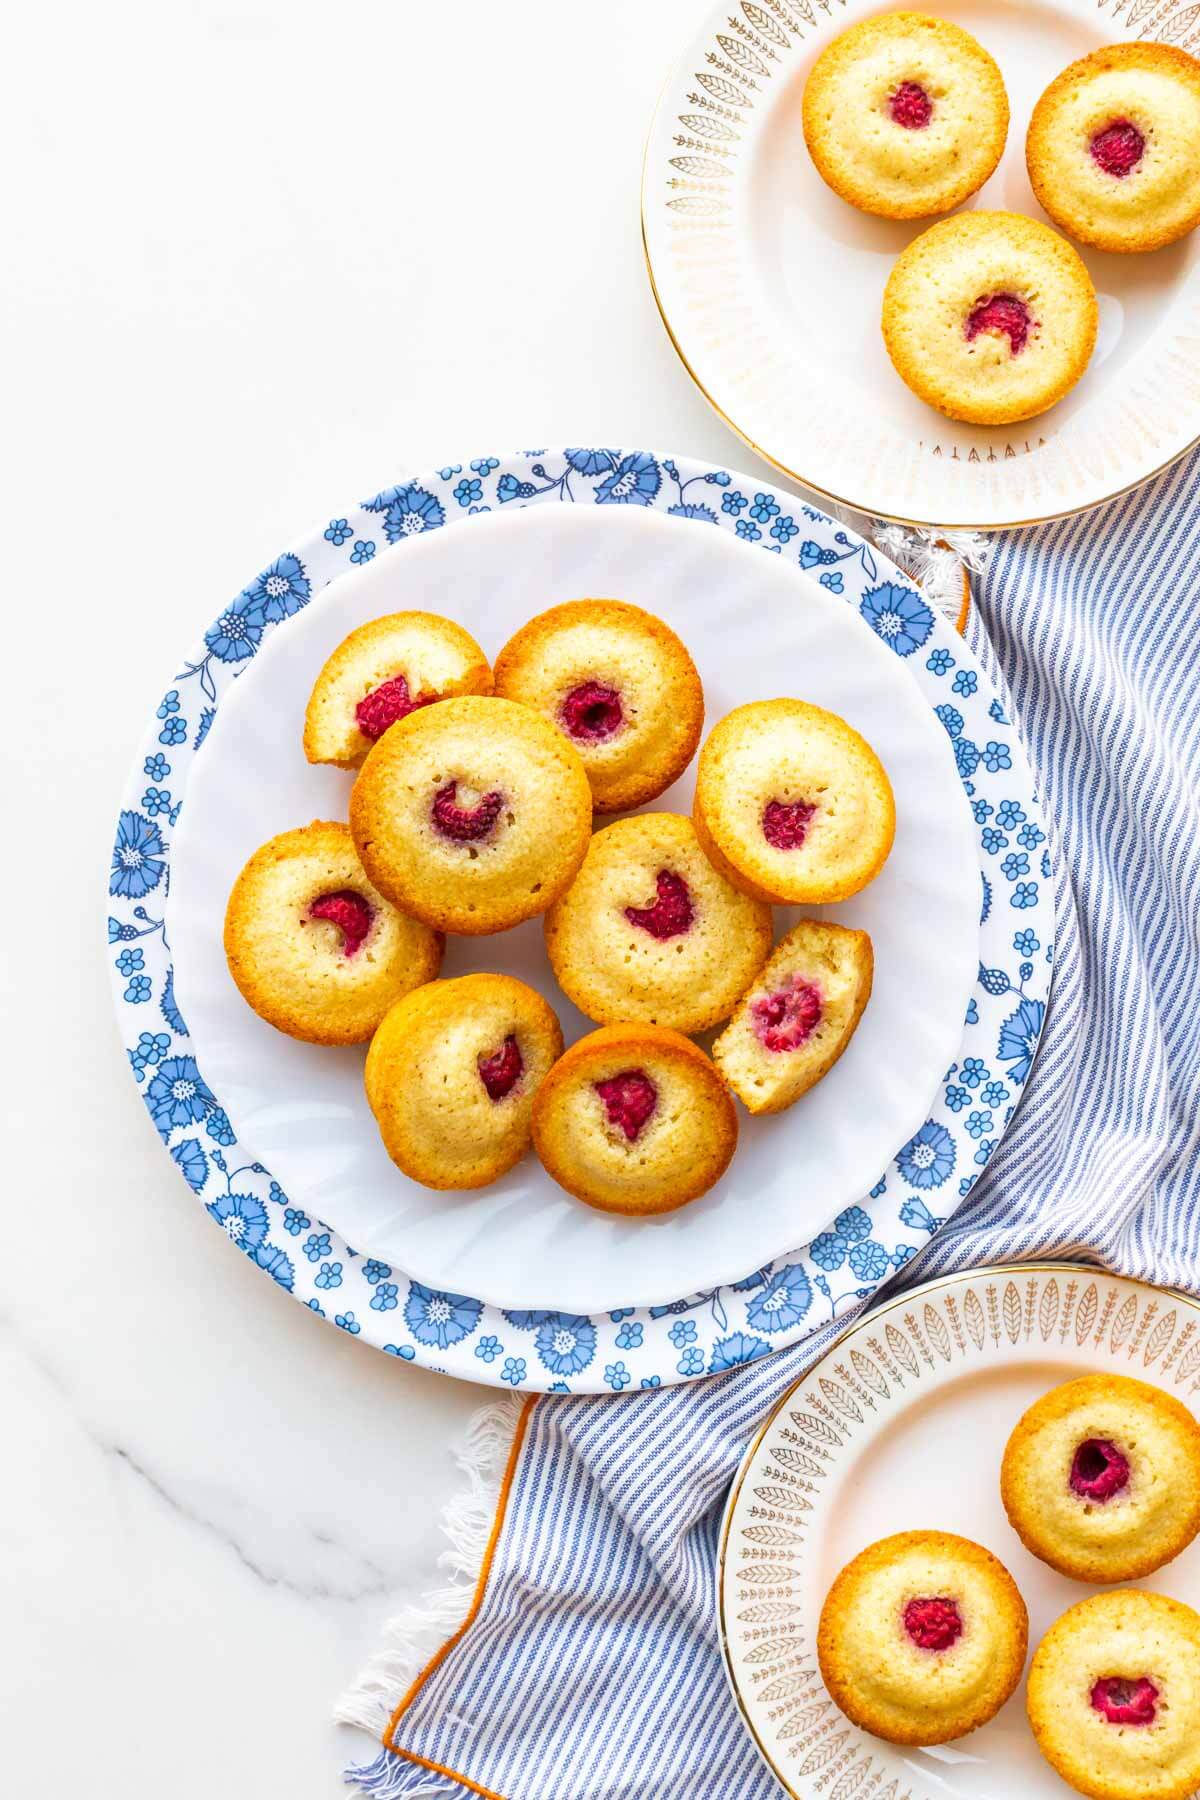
(787,1018)
(911,106)
(1119,148)
(634,1119)
(619,684)
(1006,314)
(649,931)
(451,1077)
(382,673)
(465,824)
(312,944)
(1126,1702)
(1099,1470)
(933,1624)
(785,824)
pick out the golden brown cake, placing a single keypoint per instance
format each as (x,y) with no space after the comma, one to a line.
(1101,1478)
(451,1076)
(1114,1697)
(792,804)
(382,672)
(313,946)
(799,1014)
(619,684)
(990,317)
(905,115)
(472,814)
(634,1119)
(648,932)
(1113,148)
(922,1637)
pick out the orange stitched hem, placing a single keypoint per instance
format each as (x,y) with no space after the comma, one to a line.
(485,1569)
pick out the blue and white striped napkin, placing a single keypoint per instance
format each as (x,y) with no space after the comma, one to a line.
(588,1668)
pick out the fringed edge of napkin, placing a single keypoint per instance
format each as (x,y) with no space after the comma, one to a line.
(416,1639)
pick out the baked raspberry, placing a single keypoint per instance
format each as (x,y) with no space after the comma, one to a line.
(349,912)
(933,1624)
(1126,1702)
(501,1071)
(385,704)
(1099,1470)
(911,106)
(465,824)
(785,824)
(1119,148)
(670,914)
(591,712)
(1005,313)
(787,1018)
(629,1100)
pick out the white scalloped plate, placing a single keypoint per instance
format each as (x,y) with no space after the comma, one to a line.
(756,627)
(901,1427)
(770,285)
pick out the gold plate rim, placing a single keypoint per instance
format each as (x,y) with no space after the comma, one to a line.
(905,1298)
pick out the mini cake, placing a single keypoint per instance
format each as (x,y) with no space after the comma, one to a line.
(451,1076)
(634,1119)
(1114,1697)
(922,1637)
(990,317)
(798,1017)
(1101,1478)
(1114,147)
(382,672)
(619,684)
(314,948)
(472,815)
(792,804)
(905,115)
(649,933)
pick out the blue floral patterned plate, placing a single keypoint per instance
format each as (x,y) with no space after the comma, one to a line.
(698,1333)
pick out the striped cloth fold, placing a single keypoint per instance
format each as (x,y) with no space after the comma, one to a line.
(591,1669)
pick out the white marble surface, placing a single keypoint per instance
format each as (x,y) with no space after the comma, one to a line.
(262,257)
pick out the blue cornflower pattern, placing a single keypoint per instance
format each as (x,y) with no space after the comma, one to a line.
(785,528)
(363,551)
(488,1349)
(731,1352)
(218,1127)
(928,1158)
(337,531)
(513,1371)
(565,1343)
(192,1162)
(978,1123)
(1029,837)
(617,1376)
(176,1094)
(1026,942)
(385,1298)
(295,1221)
(129,962)
(691,1362)
(137,858)
(1018,1039)
(993,841)
(869,1261)
(374,1271)
(783,1302)
(634,482)
(1024,895)
(1015,863)
(630,1336)
(689,509)
(682,1332)
(138,990)
(974,1070)
(996,757)
(1009,815)
(156,767)
(329,1275)
(587,462)
(765,507)
(748,531)
(483,465)
(898,615)
(277,1264)
(957,1097)
(316,1246)
(834,581)
(238,632)
(939,661)
(347,1322)
(439,1318)
(412,510)
(965,683)
(732,502)
(242,1217)
(468,491)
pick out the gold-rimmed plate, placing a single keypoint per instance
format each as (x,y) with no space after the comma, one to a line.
(770,285)
(901,1426)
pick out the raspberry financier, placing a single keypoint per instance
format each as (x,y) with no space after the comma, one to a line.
(990,317)
(472,814)
(1114,147)
(922,1637)
(451,1076)
(1101,1478)
(382,672)
(649,932)
(791,804)
(619,684)
(797,1017)
(905,115)
(634,1119)
(314,948)
(1114,1697)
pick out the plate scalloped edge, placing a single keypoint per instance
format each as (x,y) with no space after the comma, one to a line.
(932,1330)
(699,1334)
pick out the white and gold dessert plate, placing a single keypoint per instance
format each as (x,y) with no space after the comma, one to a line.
(901,1427)
(770,285)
